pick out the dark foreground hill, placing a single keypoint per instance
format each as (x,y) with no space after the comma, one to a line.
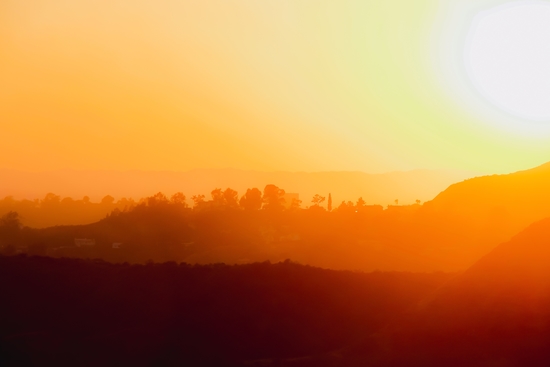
(69,312)
(91,313)
(497,313)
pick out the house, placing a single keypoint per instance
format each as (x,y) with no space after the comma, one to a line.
(80,242)
(289,197)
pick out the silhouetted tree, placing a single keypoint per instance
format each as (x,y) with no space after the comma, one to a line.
(67,202)
(197,200)
(10,220)
(108,200)
(252,200)
(50,201)
(317,200)
(230,197)
(126,204)
(346,207)
(295,204)
(217,197)
(179,199)
(360,203)
(273,198)
(10,229)
(329,203)
(226,198)
(158,198)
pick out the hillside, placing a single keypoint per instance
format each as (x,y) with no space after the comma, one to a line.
(506,203)
(449,233)
(496,313)
(515,276)
(68,312)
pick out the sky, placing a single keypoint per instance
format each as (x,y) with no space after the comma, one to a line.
(300,85)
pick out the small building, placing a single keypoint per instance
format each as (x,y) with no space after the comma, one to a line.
(81,242)
(289,197)
(373,209)
(402,209)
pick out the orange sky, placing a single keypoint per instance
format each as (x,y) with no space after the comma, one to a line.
(275,85)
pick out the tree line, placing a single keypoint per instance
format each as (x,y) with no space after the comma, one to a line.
(55,210)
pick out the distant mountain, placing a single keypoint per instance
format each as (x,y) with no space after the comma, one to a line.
(407,187)
(507,203)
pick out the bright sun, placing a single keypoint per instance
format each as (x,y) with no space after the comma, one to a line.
(508,58)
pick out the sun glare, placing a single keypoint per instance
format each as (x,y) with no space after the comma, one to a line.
(507,56)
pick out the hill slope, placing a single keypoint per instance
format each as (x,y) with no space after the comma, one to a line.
(513,278)
(508,202)
(67,312)
(496,313)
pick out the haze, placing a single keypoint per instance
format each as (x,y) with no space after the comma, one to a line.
(269,86)
(261,183)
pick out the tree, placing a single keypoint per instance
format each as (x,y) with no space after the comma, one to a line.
(126,204)
(107,200)
(226,198)
(10,228)
(230,197)
(252,200)
(67,201)
(295,204)
(10,220)
(329,203)
(344,207)
(197,200)
(418,201)
(158,198)
(217,197)
(317,200)
(273,198)
(360,203)
(179,199)
(50,201)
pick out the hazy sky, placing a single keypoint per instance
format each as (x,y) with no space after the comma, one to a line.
(291,85)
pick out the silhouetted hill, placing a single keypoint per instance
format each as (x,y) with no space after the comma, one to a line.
(400,238)
(513,278)
(506,203)
(68,312)
(374,188)
(448,233)
(496,313)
